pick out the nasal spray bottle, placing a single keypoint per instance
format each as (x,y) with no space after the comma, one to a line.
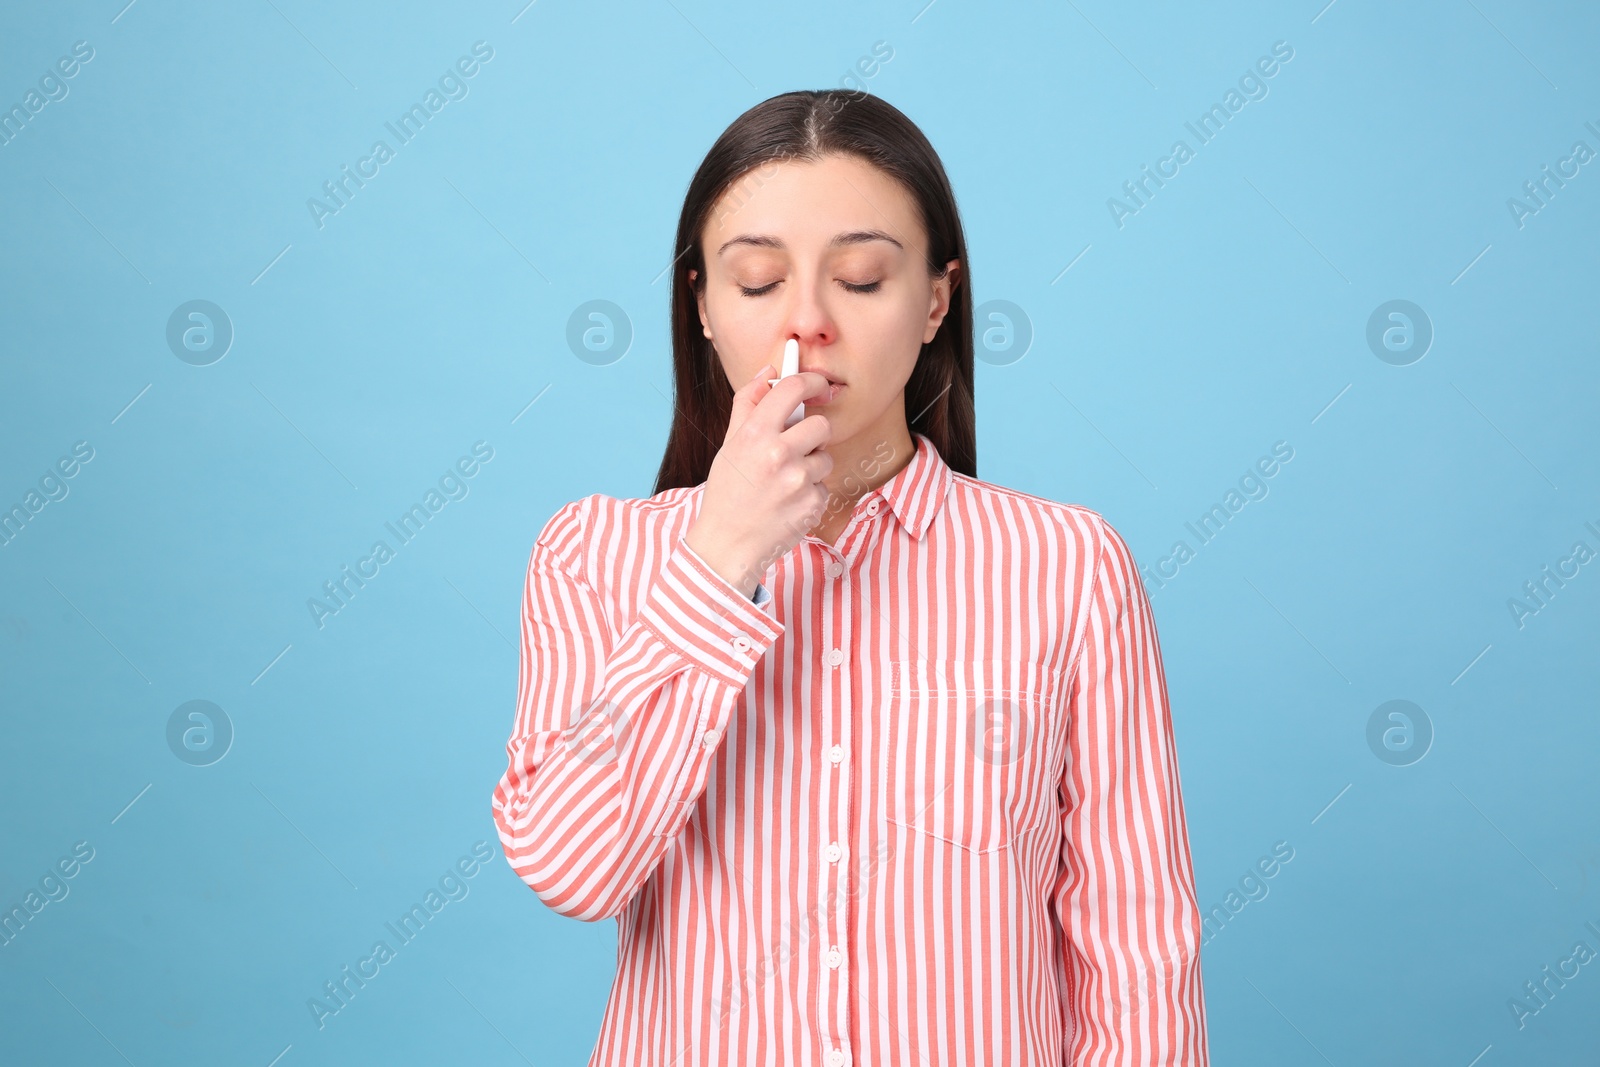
(791,366)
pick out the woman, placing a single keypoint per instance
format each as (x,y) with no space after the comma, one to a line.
(871,760)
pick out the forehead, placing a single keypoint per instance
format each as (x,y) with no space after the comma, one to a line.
(805,205)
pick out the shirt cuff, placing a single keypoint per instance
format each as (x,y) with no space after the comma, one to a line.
(706,618)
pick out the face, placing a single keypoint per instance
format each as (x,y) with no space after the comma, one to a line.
(832,253)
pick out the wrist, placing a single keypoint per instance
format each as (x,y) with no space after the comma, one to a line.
(727,563)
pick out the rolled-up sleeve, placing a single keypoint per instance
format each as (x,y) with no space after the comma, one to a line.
(614,733)
(1128,922)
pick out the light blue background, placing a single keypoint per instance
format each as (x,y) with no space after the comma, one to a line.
(428,314)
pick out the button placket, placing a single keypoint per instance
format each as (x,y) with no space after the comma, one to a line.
(837,684)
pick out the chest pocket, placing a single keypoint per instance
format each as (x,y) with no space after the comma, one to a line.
(971,748)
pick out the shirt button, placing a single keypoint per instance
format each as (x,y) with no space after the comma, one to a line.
(872,507)
(836,753)
(710,737)
(834,957)
(741,643)
(833,852)
(834,657)
(835,569)
(836,1058)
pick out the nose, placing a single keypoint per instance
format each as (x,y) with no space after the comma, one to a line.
(807,318)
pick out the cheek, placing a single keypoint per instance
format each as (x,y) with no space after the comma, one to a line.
(738,335)
(897,341)
(740,319)
(911,316)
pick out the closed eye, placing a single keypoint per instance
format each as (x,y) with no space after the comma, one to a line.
(865,287)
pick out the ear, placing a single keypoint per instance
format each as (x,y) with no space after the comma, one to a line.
(943,289)
(700,301)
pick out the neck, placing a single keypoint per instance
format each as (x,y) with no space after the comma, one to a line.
(861,464)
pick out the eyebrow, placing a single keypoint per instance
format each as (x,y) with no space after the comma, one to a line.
(852,237)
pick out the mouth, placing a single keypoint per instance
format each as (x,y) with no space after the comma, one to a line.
(835,386)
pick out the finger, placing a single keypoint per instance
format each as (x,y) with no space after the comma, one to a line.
(749,395)
(818,466)
(809,434)
(776,405)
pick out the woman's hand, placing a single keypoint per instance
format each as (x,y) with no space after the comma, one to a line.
(764,490)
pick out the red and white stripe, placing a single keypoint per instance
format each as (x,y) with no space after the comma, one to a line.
(921,808)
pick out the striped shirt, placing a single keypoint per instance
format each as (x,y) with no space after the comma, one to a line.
(918,807)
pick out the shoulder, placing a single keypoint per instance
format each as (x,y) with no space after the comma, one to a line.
(580,526)
(1083,533)
(1086,529)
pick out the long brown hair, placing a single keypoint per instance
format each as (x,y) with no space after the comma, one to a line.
(804,126)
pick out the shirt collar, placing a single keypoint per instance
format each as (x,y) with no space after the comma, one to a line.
(915,493)
(917,490)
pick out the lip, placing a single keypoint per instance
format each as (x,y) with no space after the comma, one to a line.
(834,386)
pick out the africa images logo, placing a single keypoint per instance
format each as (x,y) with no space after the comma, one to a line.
(452,85)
